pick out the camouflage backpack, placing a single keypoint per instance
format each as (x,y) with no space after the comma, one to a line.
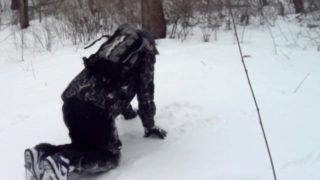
(119,54)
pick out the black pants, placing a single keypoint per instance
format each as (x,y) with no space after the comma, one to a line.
(95,146)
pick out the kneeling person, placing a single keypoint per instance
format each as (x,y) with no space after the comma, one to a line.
(112,77)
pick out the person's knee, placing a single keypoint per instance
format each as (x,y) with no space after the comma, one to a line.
(102,166)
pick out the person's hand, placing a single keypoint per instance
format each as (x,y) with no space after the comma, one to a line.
(155,132)
(129,114)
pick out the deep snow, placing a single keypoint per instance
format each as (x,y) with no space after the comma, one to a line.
(202,99)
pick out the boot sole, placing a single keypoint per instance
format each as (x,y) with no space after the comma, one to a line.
(29,165)
(49,173)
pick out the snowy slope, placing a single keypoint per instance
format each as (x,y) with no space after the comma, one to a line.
(202,99)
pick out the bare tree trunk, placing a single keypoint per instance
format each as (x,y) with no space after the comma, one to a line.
(80,4)
(264,2)
(281,9)
(14,4)
(23,11)
(92,6)
(37,7)
(298,5)
(153,18)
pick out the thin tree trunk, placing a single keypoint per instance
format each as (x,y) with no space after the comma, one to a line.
(264,2)
(23,11)
(92,7)
(298,5)
(80,4)
(14,4)
(281,9)
(38,9)
(153,18)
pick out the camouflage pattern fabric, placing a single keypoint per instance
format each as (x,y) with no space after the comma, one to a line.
(114,95)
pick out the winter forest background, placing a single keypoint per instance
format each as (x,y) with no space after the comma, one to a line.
(202,95)
(81,21)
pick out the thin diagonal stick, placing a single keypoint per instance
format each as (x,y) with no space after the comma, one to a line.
(254,97)
(296,90)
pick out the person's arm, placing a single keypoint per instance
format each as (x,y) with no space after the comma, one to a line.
(145,95)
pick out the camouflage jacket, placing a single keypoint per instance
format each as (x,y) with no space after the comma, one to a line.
(114,94)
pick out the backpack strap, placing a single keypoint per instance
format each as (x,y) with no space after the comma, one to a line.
(94,42)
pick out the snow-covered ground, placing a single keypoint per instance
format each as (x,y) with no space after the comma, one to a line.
(203,101)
